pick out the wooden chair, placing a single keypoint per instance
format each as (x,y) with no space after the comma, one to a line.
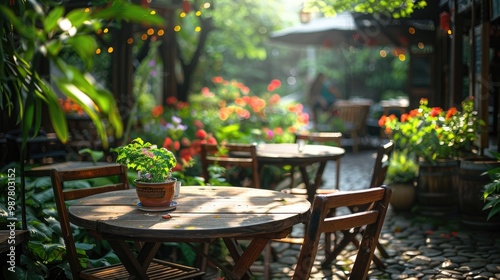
(353,116)
(334,138)
(158,269)
(371,218)
(381,165)
(231,155)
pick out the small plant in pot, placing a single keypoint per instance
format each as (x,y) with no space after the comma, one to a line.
(401,178)
(155,185)
(491,193)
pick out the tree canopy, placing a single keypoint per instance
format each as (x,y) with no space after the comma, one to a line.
(396,8)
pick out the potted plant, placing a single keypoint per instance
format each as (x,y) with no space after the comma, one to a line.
(155,185)
(438,138)
(401,178)
(491,194)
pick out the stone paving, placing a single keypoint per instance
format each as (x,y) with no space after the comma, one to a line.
(420,247)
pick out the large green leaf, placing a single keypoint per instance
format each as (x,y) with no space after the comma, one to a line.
(51,20)
(126,11)
(78,16)
(85,46)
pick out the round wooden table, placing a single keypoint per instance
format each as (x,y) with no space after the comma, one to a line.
(201,213)
(302,156)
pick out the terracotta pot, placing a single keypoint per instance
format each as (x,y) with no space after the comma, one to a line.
(403,196)
(155,194)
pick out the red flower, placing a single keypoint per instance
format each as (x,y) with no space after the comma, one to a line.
(202,134)
(211,140)
(276,83)
(413,113)
(171,100)
(383,120)
(451,112)
(157,111)
(167,142)
(435,111)
(217,79)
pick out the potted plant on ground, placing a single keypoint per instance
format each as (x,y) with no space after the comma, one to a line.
(401,178)
(491,194)
(438,138)
(155,185)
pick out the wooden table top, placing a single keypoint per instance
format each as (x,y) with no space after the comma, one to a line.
(202,212)
(44,170)
(288,153)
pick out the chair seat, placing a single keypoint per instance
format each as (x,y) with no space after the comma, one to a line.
(301,191)
(158,269)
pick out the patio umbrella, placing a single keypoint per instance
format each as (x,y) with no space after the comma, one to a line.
(333,31)
(318,31)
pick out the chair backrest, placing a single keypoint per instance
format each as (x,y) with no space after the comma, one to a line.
(231,155)
(353,114)
(115,172)
(320,221)
(320,137)
(384,153)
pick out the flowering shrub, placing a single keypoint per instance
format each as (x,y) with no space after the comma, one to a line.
(228,111)
(432,133)
(238,115)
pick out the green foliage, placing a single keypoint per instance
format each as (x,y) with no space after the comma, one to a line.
(33,31)
(491,194)
(402,168)
(397,9)
(154,164)
(46,251)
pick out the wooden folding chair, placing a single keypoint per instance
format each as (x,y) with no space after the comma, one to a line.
(381,165)
(231,155)
(158,269)
(374,202)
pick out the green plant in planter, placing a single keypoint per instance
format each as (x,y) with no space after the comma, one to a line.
(402,169)
(154,165)
(491,194)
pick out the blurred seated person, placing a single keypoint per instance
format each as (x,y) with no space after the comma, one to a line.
(322,95)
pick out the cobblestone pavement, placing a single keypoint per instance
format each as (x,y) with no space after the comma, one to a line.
(420,247)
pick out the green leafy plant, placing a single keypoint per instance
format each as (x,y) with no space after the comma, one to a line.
(433,134)
(36,32)
(491,194)
(153,164)
(402,169)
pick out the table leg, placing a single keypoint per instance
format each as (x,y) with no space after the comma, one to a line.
(135,266)
(243,260)
(311,187)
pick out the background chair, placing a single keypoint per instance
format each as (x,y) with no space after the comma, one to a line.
(353,115)
(231,155)
(381,165)
(158,269)
(371,218)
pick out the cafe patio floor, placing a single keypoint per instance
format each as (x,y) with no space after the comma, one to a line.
(420,246)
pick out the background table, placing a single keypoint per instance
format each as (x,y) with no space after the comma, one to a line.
(289,154)
(202,213)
